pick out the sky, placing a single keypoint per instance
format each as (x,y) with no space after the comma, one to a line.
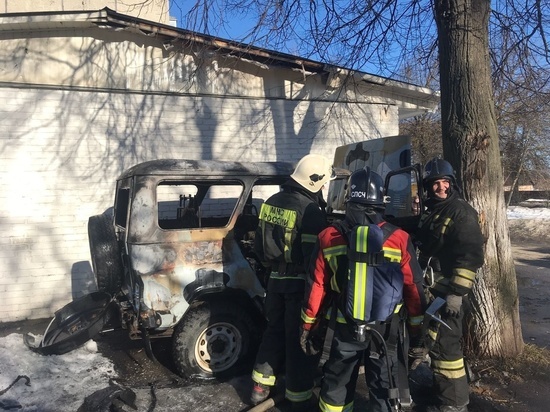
(236,29)
(60,383)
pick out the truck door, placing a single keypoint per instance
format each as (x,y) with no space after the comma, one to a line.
(390,157)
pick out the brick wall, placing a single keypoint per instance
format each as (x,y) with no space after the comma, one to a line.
(61,151)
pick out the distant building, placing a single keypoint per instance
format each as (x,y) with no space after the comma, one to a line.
(530,185)
(89,91)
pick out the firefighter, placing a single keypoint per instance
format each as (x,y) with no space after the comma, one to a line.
(329,281)
(451,244)
(285,238)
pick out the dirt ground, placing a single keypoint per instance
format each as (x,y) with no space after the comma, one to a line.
(522,384)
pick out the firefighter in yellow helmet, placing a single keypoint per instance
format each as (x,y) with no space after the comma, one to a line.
(289,223)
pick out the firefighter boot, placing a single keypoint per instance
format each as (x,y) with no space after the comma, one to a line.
(259,393)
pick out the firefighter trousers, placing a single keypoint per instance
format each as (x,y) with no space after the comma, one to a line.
(280,348)
(341,370)
(450,380)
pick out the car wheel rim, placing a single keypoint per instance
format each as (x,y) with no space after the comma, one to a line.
(218,347)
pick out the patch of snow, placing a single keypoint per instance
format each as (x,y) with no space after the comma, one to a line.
(520,212)
(57,382)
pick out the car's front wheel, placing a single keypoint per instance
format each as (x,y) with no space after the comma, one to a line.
(214,339)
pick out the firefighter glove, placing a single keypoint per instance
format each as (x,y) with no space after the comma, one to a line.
(309,342)
(454,302)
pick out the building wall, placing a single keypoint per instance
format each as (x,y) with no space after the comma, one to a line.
(84,102)
(154,10)
(61,151)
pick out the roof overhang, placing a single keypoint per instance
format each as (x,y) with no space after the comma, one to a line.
(412,100)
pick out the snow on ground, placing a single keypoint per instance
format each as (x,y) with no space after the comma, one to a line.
(520,212)
(60,383)
(528,224)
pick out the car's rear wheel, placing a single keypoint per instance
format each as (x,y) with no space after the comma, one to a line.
(105,254)
(214,339)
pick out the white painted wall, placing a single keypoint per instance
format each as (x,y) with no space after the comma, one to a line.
(81,104)
(61,152)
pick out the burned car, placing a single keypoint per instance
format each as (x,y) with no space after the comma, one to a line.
(177,251)
(177,255)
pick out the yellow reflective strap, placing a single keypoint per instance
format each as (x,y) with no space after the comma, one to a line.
(331,253)
(392,254)
(298,396)
(306,318)
(398,307)
(288,245)
(327,407)
(259,377)
(446,223)
(361,244)
(450,369)
(278,216)
(464,278)
(432,334)
(361,274)
(359,288)
(307,238)
(334,251)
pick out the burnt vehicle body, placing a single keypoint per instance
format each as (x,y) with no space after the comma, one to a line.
(177,255)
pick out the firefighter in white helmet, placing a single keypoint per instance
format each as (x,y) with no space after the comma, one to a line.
(289,223)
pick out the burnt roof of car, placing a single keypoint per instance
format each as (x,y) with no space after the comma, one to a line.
(183,167)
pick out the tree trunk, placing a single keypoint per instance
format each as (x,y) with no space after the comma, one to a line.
(470,144)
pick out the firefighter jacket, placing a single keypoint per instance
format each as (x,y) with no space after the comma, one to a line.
(449,231)
(329,275)
(289,223)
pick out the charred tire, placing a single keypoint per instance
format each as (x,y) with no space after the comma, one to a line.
(105,254)
(215,339)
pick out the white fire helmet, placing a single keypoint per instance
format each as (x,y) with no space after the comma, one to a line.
(313,171)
